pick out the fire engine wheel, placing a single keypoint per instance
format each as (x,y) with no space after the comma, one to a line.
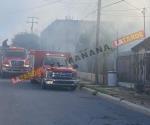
(3,74)
(33,81)
(73,88)
(43,85)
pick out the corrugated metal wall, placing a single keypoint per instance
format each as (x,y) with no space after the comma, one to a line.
(134,68)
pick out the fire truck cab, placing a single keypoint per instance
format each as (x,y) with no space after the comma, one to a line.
(14,60)
(53,69)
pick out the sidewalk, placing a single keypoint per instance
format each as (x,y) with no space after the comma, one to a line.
(125,96)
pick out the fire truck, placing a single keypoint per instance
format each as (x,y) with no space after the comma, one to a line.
(14,61)
(52,69)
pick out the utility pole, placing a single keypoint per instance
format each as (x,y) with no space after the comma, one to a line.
(32,22)
(143,12)
(117,57)
(97,41)
(144,72)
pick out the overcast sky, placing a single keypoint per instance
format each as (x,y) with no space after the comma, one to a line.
(14,13)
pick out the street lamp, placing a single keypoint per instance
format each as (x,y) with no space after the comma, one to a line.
(143,13)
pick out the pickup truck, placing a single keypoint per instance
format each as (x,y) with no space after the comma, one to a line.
(53,69)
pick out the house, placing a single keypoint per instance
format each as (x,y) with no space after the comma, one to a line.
(142,47)
(142,52)
(63,35)
(135,66)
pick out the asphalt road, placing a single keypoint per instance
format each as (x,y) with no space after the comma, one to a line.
(27,104)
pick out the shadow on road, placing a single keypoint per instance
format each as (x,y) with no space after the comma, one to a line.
(27,85)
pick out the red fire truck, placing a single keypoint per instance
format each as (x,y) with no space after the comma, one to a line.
(53,69)
(14,60)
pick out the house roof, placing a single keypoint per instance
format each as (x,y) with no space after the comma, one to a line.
(76,23)
(68,22)
(143,44)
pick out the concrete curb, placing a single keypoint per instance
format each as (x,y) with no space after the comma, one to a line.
(124,103)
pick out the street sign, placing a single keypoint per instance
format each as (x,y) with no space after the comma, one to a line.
(128,39)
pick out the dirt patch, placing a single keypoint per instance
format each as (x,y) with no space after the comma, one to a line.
(124,94)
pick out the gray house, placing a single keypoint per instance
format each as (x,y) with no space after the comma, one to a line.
(63,35)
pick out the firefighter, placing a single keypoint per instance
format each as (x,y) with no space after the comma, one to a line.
(4,44)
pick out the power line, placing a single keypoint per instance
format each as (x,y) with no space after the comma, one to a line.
(35,7)
(90,13)
(141,11)
(46,4)
(111,4)
(131,5)
(135,8)
(105,14)
(94,11)
(32,22)
(77,3)
(127,9)
(87,7)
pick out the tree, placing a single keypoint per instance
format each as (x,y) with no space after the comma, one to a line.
(26,40)
(81,47)
(84,42)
